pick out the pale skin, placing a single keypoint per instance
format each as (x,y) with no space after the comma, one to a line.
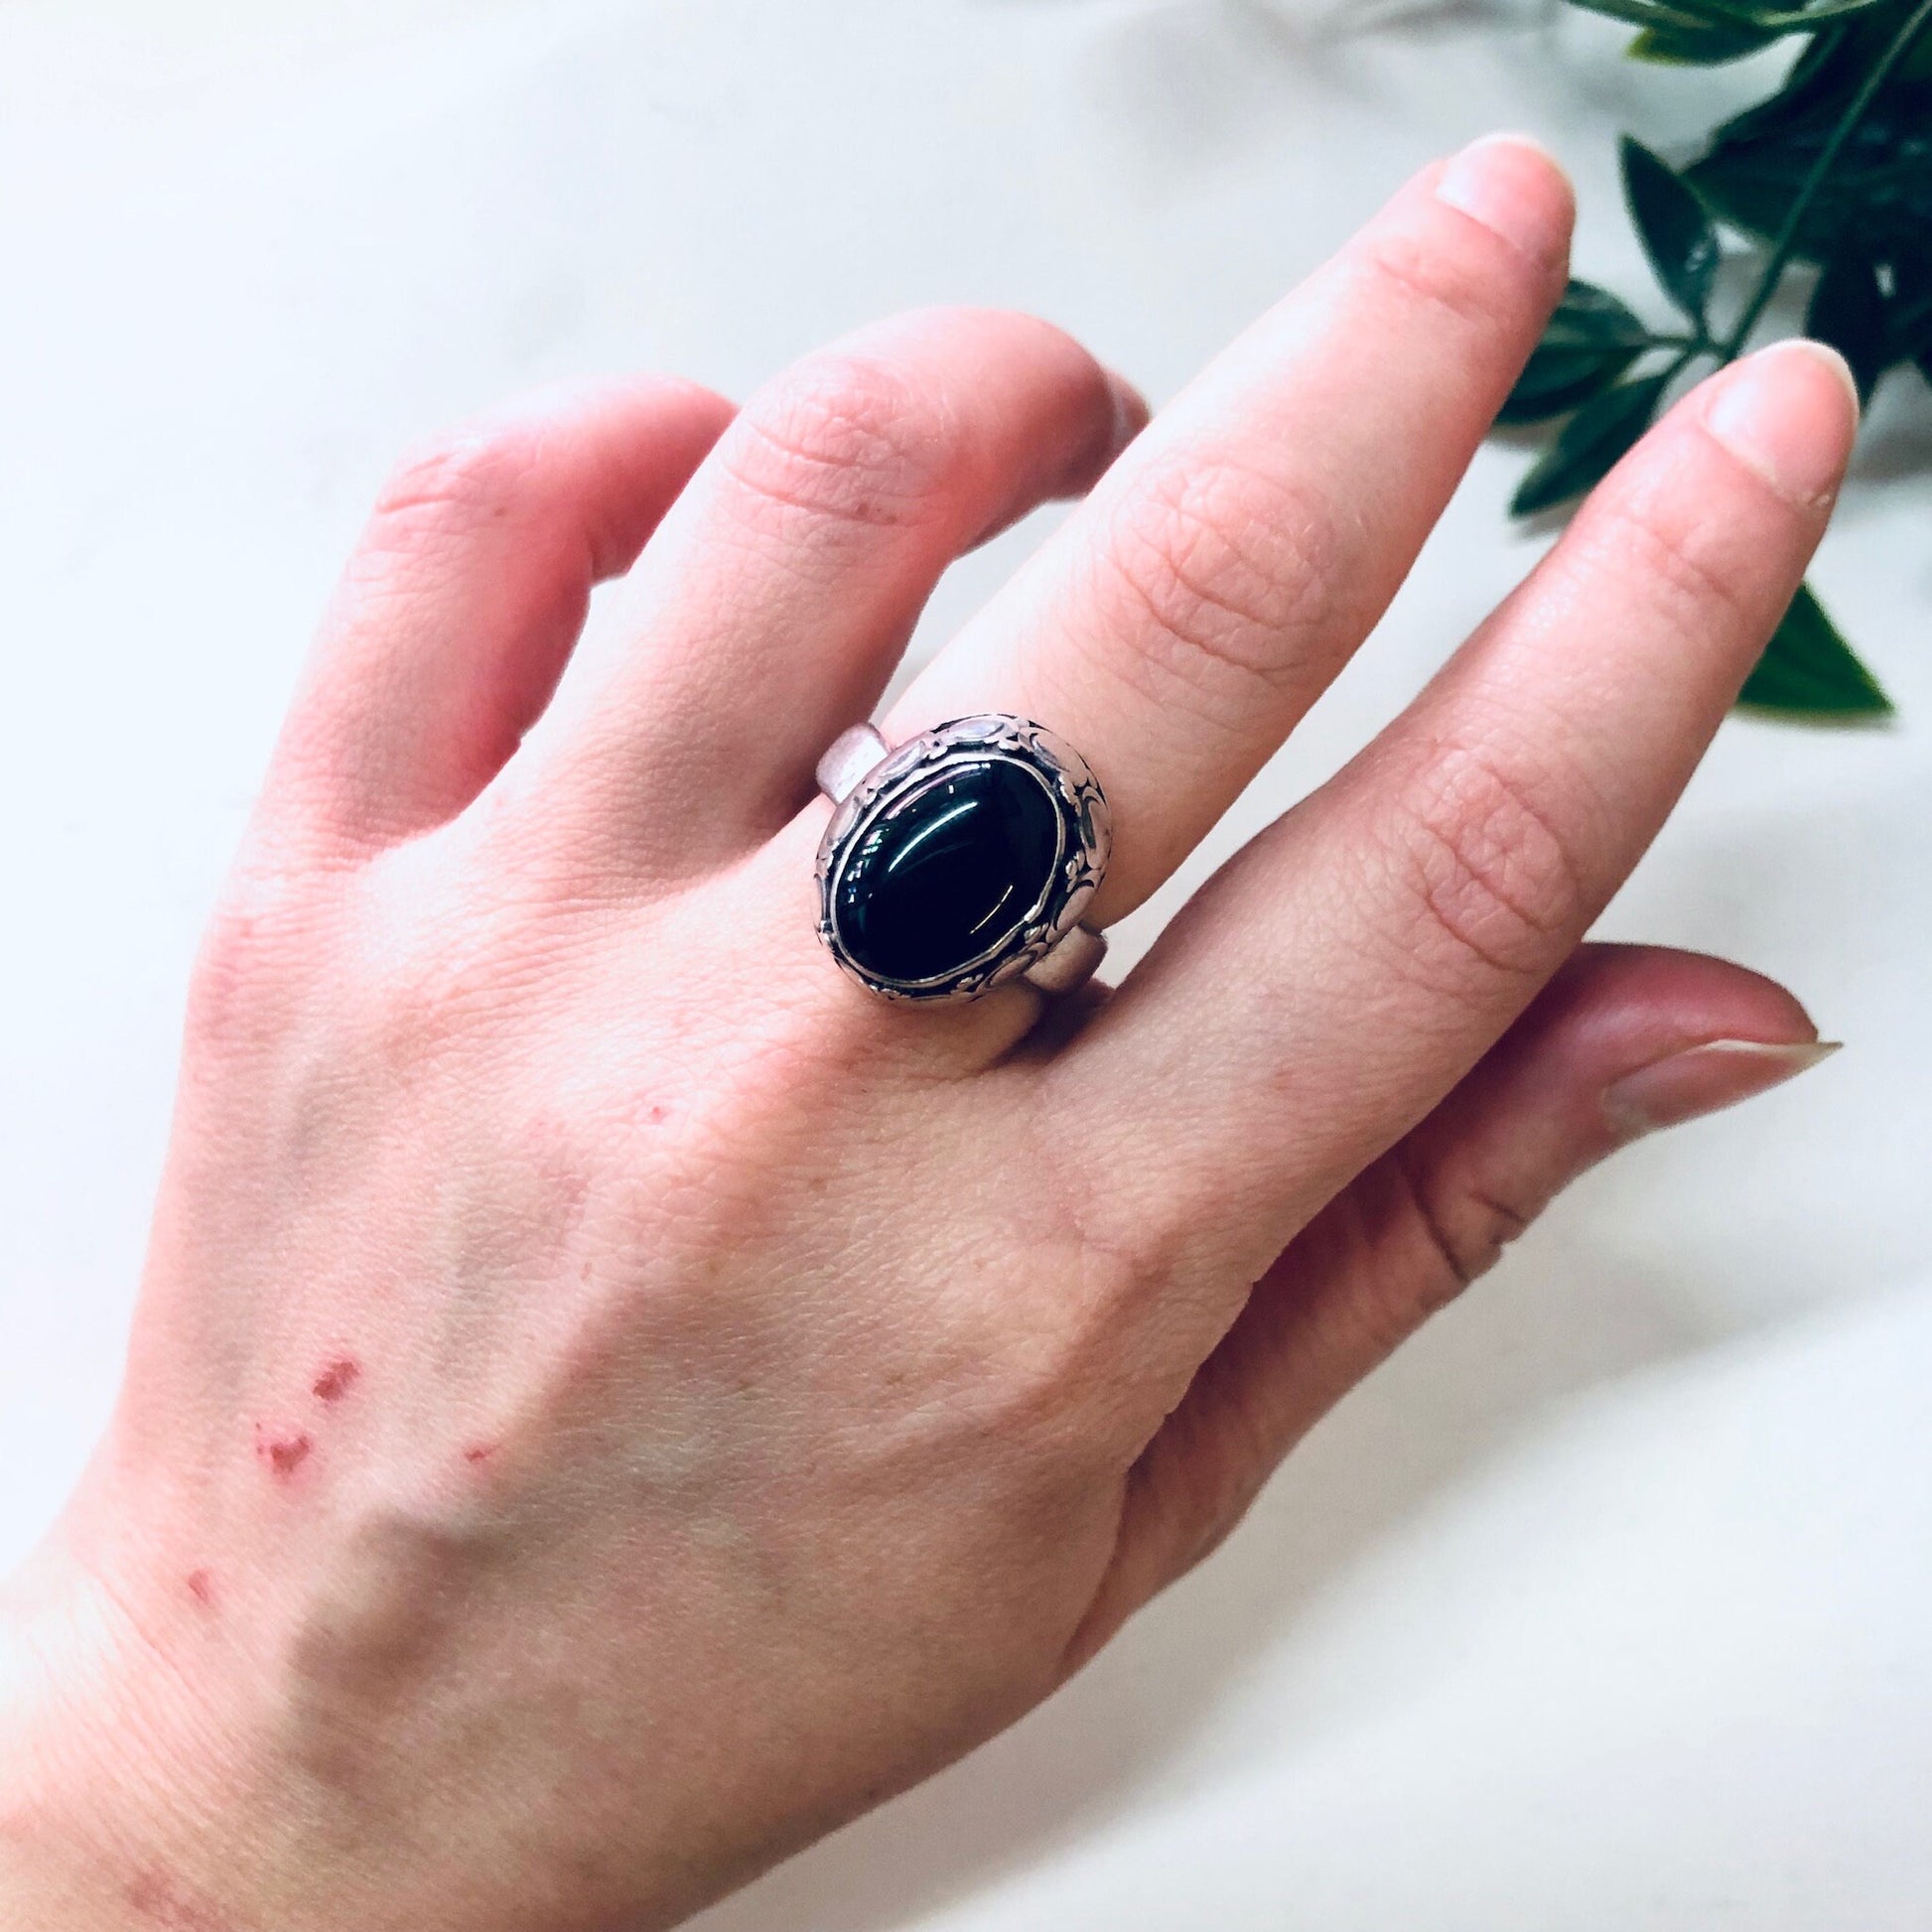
(610,1399)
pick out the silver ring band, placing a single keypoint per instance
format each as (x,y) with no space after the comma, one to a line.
(848,759)
(962,860)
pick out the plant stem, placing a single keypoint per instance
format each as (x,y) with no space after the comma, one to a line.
(1787,237)
(1688,353)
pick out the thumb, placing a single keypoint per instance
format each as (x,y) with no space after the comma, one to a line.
(1623,1040)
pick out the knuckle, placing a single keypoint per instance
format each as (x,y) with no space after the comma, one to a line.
(1490,878)
(451,484)
(1220,578)
(1055,1368)
(1456,1232)
(1059,1348)
(261,941)
(1688,576)
(847,438)
(1444,278)
(1121,1314)
(435,983)
(1223,1448)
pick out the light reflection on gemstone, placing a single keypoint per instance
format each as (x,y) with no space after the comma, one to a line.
(949,870)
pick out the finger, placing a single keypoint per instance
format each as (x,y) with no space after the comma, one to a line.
(779,594)
(1363,953)
(1182,620)
(464,596)
(1625,1039)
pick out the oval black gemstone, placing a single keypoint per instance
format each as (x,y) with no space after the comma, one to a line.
(949,871)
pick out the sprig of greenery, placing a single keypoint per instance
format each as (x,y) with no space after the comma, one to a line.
(1833,170)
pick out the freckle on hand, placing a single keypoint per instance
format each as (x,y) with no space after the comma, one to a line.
(337,1378)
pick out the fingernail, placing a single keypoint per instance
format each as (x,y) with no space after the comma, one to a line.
(1701,1079)
(1790,413)
(1131,411)
(1516,186)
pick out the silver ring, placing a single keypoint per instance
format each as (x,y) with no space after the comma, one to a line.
(962,860)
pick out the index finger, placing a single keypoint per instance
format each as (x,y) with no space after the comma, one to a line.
(1340,976)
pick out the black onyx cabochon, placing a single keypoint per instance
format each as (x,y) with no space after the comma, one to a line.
(949,871)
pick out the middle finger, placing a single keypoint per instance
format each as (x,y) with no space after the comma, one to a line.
(1347,968)
(1179,625)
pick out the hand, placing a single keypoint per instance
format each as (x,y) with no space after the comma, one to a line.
(609,1398)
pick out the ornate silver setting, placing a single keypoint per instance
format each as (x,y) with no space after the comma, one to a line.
(1053,922)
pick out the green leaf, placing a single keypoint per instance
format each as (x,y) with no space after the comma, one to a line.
(1765,23)
(1908,315)
(1848,310)
(1707,45)
(1644,13)
(1589,316)
(1589,445)
(1807,670)
(1789,20)
(1877,198)
(1589,342)
(1556,381)
(1817,75)
(1672,226)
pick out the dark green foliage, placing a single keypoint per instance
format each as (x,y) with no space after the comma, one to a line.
(1848,310)
(1876,199)
(1703,45)
(1768,23)
(1809,671)
(1832,170)
(1671,224)
(1590,341)
(1589,445)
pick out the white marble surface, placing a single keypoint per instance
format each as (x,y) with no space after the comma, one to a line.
(1609,1605)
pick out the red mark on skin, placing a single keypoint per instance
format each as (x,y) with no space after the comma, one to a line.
(480,1452)
(158,1901)
(201,1586)
(337,1378)
(283,1453)
(658,1116)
